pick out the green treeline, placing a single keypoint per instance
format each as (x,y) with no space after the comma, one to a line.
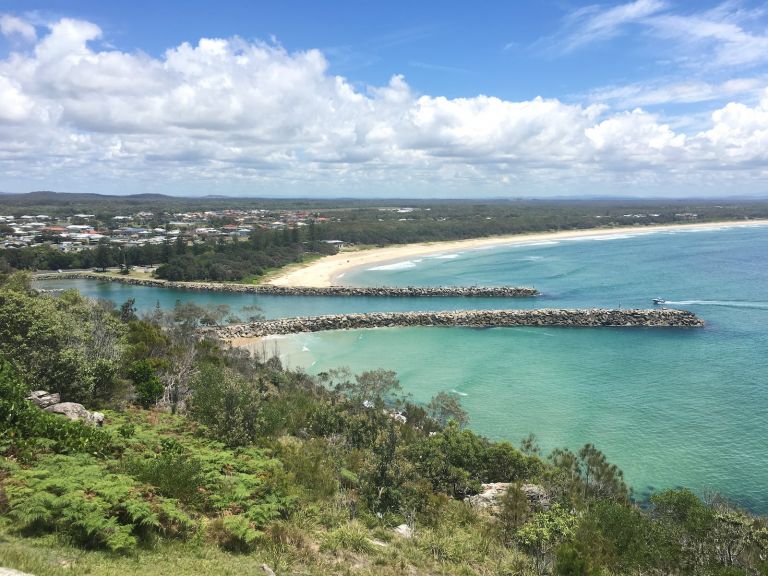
(212,461)
(247,258)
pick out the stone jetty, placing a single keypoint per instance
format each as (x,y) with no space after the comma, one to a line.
(269,289)
(578,318)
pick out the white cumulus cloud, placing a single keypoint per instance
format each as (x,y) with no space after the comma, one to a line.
(229,115)
(13,26)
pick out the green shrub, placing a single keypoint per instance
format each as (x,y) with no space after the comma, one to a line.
(234,533)
(246,481)
(26,430)
(351,536)
(174,471)
(77,497)
(227,404)
(203,473)
(454,545)
(146,384)
(65,344)
(312,466)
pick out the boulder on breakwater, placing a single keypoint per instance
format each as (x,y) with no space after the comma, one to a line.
(583,318)
(378,291)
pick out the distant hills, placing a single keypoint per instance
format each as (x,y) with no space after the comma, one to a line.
(50,196)
(64,203)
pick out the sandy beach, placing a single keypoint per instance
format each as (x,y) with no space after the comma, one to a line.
(329,271)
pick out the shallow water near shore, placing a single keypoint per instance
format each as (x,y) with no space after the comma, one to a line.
(669,406)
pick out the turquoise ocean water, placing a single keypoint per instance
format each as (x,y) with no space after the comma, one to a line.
(671,407)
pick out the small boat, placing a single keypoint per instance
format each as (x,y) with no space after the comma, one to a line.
(659,301)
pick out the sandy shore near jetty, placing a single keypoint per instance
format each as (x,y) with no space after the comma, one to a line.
(329,271)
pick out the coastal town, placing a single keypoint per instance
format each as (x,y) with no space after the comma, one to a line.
(75,232)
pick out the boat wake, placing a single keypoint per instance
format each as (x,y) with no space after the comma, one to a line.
(728,303)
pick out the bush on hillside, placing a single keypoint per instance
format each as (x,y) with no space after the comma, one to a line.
(76,496)
(63,344)
(25,430)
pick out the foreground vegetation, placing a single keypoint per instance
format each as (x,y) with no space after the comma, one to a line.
(213,462)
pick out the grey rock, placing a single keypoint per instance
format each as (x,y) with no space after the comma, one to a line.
(43,399)
(537,496)
(75,411)
(71,410)
(404,530)
(97,419)
(267,570)
(12,572)
(490,497)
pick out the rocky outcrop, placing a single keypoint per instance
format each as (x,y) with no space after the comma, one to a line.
(75,411)
(490,497)
(383,291)
(52,403)
(43,399)
(594,317)
(537,496)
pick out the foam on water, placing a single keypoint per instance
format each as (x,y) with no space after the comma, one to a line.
(705,229)
(405,265)
(601,238)
(446,256)
(523,244)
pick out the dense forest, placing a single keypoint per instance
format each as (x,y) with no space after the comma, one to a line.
(211,461)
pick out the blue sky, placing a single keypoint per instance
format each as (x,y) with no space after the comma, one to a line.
(645,98)
(449,48)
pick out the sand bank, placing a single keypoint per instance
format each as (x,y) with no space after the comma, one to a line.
(329,271)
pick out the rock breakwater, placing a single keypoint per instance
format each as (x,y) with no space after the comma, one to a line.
(583,318)
(379,291)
